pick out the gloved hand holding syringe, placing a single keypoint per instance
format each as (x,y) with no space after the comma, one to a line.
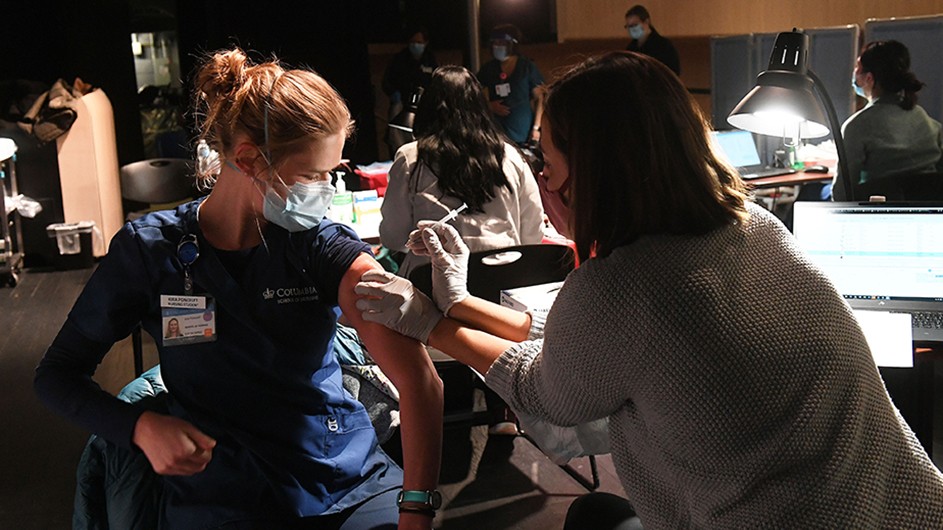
(415,237)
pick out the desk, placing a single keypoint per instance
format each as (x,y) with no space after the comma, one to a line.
(792,179)
(368,229)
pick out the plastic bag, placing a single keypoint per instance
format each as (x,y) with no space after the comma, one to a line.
(561,444)
(26,206)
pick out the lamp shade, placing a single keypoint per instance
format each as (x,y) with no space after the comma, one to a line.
(7,148)
(404,120)
(781,104)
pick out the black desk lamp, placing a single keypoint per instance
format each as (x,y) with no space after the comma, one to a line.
(401,126)
(782,102)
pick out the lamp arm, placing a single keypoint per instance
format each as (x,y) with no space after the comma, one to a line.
(836,135)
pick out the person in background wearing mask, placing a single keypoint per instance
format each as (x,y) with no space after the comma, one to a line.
(729,405)
(514,87)
(258,431)
(891,134)
(647,40)
(407,74)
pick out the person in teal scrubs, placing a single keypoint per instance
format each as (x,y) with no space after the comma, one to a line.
(514,86)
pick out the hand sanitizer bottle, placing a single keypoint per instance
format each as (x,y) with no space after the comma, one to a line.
(342,208)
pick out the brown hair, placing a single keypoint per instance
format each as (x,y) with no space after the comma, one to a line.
(639,154)
(640,12)
(232,94)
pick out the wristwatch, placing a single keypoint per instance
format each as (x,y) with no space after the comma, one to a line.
(431,498)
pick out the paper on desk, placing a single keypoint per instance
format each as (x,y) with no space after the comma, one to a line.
(890,337)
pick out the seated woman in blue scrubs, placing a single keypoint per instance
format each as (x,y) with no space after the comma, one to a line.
(259,432)
(891,134)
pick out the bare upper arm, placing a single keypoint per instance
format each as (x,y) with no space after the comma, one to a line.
(401,358)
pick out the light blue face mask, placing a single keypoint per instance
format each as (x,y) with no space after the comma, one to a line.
(858,89)
(304,204)
(500,53)
(636,31)
(416,49)
(303,207)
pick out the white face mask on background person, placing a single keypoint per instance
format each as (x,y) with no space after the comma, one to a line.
(858,89)
(500,52)
(416,49)
(636,31)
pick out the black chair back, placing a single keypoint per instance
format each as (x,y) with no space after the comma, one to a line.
(909,187)
(491,271)
(158,180)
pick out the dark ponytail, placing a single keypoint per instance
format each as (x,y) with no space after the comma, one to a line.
(889,62)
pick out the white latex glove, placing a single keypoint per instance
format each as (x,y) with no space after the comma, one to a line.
(396,304)
(449,255)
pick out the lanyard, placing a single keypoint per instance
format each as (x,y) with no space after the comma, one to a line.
(188,250)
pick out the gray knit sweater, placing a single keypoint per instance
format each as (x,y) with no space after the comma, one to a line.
(740,391)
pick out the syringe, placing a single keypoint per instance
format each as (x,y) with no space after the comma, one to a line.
(448,217)
(453,214)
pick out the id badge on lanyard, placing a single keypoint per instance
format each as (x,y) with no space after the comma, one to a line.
(187,318)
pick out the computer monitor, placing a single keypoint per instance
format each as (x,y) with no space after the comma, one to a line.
(739,147)
(880,256)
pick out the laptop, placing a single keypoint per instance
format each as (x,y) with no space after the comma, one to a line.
(880,256)
(740,150)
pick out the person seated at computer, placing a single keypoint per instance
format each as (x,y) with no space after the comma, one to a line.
(891,134)
(730,405)
(460,157)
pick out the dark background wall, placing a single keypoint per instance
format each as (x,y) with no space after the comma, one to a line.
(44,41)
(326,35)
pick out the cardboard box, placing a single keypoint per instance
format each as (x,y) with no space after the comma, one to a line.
(536,298)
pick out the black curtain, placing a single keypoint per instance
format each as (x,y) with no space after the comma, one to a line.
(45,41)
(325,35)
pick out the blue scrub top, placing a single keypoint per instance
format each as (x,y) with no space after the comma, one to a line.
(290,441)
(522,81)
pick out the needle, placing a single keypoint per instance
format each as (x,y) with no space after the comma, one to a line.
(449,216)
(453,214)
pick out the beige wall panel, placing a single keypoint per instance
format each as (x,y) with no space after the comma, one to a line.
(593,19)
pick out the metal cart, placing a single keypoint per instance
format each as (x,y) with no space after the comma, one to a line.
(11,234)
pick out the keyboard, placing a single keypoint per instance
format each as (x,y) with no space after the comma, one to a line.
(927,319)
(766,172)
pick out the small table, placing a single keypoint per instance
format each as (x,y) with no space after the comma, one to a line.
(368,230)
(790,179)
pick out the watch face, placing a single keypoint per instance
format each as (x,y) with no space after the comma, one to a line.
(432,498)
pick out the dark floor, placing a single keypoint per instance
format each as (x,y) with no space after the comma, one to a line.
(507,484)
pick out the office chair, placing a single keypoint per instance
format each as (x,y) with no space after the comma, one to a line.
(162,181)
(492,271)
(157,181)
(905,187)
(489,273)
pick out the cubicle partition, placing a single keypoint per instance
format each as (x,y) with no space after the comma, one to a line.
(923,36)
